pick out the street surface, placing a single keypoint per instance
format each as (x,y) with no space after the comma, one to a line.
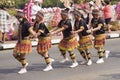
(110,70)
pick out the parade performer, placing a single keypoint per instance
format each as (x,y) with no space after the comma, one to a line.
(69,41)
(44,40)
(23,45)
(97,27)
(107,14)
(85,39)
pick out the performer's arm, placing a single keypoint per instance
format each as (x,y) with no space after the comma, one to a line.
(40,31)
(32,31)
(57,31)
(79,30)
(90,26)
(97,28)
(55,28)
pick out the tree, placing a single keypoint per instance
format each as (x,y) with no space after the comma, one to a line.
(20,3)
(51,3)
(46,3)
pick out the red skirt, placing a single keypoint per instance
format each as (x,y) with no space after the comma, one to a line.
(85,42)
(24,47)
(68,44)
(99,40)
(44,44)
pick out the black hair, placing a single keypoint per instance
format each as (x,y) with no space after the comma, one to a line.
(67,9)
(1,6)
(24,20)
(107,1)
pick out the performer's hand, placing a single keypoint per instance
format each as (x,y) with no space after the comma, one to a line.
(35,35)
(49,34)
(31,36)
(73,32)
(89,31)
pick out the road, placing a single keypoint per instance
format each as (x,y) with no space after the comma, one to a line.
(110,70)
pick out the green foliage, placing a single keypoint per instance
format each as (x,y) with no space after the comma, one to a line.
(20,3)
(51,3)
(46,3)
(8,3)
(115,25)
(13,3)
(114,1)
(12,11)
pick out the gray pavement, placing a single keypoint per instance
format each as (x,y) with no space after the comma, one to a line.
(110,70)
